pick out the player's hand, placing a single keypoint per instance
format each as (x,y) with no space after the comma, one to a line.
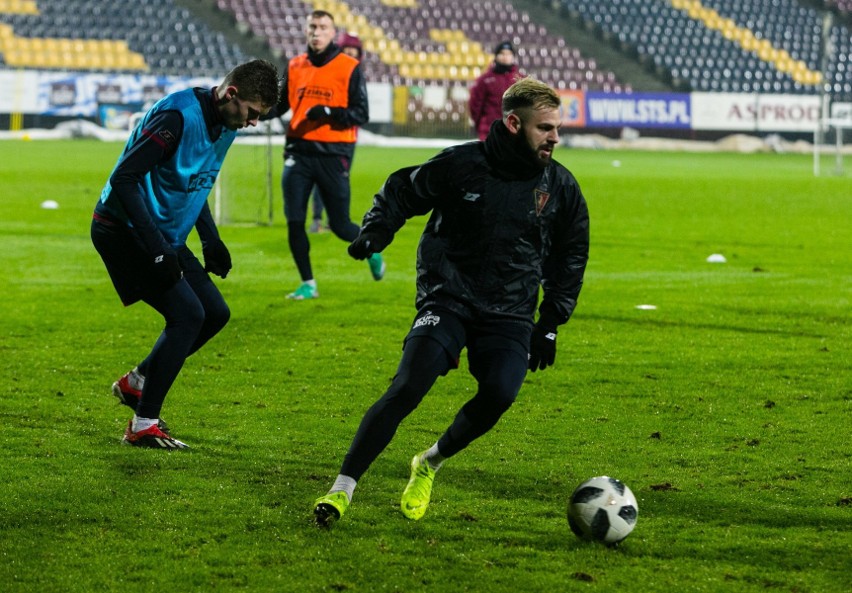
(318,112)
(365,245)
(217,259)
(167,268)
(542,347)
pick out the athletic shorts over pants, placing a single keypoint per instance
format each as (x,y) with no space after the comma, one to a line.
(131,267)
(498,356)
(330,173)
(480,336)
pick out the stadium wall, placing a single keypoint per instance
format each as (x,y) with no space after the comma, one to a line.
(110,100)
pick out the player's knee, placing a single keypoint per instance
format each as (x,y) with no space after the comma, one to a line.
(193,317)
(405,392)
(217,317)
(343,229)
(497,396)
(296,227)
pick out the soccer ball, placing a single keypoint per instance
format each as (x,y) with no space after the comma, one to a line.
(602,509)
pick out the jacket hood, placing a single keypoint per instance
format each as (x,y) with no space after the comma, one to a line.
(345,39)
(510,154)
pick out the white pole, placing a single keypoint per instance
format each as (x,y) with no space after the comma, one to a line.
(824,87)
(269,196)
(817,140)
(838,155)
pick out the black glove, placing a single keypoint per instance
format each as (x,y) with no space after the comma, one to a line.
(542,346)
(365,245)
(217,258)
(318,112)
(167,268)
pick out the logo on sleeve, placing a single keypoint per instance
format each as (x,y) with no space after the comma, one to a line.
(167,137)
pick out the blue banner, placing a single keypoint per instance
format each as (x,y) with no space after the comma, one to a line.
(638,110)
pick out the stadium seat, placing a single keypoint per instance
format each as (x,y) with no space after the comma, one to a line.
(119,32)
(431,32)
(747,36)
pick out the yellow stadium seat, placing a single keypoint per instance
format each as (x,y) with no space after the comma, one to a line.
(20,58)
(66,60)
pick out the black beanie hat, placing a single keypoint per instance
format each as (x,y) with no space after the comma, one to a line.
(504,45)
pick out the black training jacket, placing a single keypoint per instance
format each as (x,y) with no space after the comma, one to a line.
(500,228)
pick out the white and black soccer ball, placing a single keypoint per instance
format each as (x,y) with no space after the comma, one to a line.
(602,509)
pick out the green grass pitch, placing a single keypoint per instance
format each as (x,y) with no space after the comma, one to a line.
(726,409)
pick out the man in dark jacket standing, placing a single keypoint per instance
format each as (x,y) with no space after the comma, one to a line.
(486,94)
(327,94)
(506,221)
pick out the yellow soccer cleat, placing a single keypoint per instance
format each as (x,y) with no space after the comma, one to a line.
(415,497)
(330,508)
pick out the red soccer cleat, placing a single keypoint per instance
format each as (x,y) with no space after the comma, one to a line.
(130,397)
(151,438)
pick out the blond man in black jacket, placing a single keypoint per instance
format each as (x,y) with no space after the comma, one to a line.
(507,222)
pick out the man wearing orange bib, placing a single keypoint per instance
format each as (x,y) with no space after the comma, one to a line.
(326,92)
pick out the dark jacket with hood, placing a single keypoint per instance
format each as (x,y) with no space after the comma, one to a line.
(501,227)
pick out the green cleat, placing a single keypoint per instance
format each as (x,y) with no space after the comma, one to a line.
(330,508)
(304,292)
(415,497)
(377,266)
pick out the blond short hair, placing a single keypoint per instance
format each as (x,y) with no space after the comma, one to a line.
(529,93)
